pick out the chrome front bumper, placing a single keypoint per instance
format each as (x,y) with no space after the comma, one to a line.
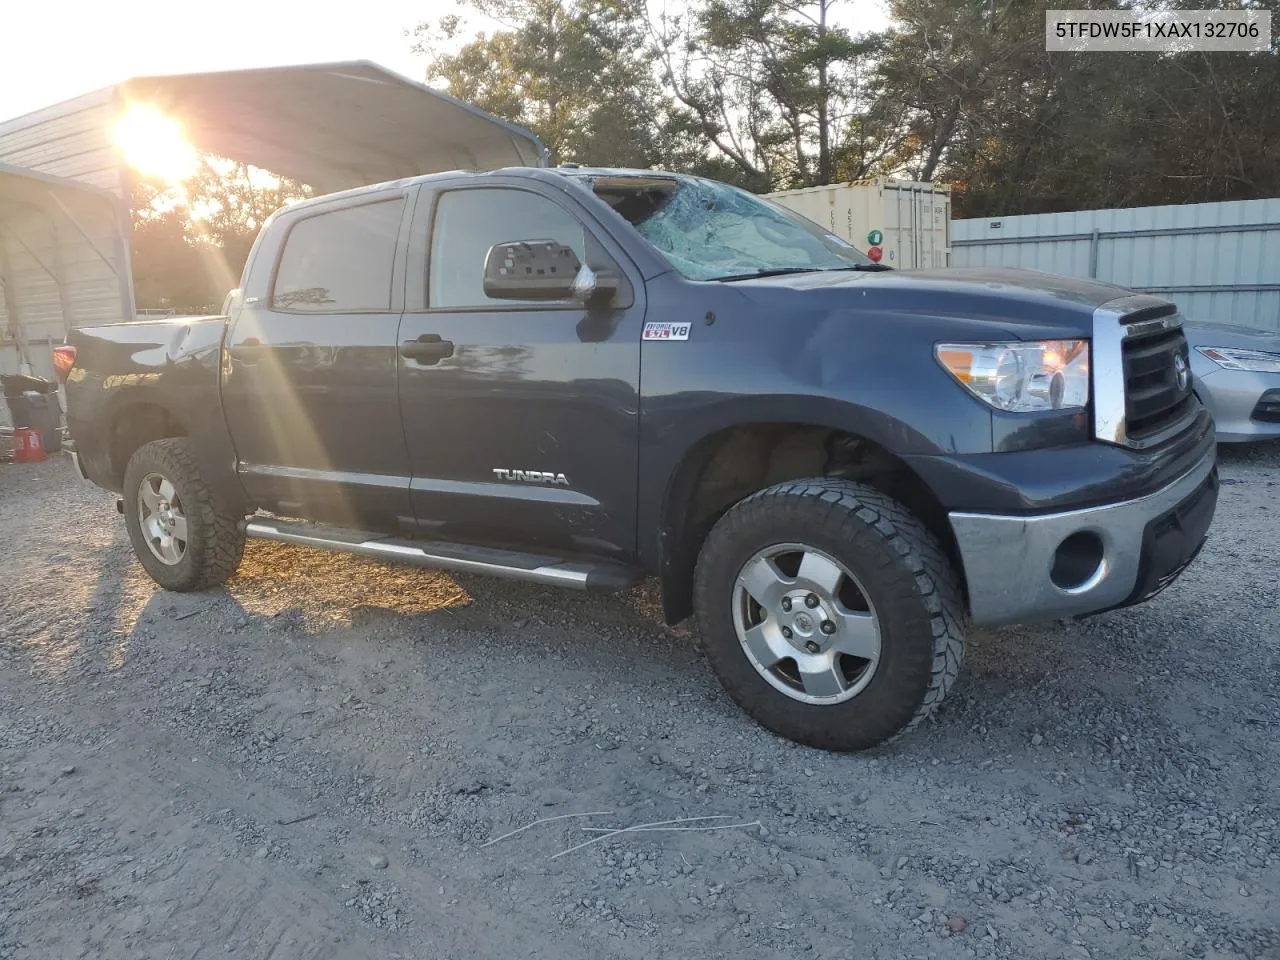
(1008,560)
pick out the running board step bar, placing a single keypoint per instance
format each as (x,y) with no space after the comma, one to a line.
(508,564)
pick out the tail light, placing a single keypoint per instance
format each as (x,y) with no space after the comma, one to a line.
(64,358)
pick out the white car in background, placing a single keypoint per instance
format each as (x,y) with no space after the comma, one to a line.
(1237,376)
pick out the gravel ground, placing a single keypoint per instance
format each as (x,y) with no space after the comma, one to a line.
(309,762)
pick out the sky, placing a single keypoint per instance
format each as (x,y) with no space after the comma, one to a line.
(52,50)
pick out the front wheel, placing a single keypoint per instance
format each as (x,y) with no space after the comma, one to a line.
(179,532)
(829,613)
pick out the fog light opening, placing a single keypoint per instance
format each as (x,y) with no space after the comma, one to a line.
(1077,561)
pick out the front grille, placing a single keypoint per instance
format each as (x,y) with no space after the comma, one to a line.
(1155,403)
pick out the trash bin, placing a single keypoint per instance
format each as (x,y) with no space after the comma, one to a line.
(33,402)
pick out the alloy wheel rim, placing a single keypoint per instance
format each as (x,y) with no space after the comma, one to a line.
(806,624)
(162,519)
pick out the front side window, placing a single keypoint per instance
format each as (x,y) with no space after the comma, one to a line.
(711,231)
(340,262)
(469,222)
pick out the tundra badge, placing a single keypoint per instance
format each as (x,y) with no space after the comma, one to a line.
(531,476)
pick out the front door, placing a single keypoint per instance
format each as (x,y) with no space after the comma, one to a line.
(520,418)
(309,389)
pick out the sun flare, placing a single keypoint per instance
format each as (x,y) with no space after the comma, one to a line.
(153,145)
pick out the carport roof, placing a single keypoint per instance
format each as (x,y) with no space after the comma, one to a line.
(334,125)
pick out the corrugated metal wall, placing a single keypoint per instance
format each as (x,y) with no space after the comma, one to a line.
(63,263)
(35,252)
(1218,261)
(41,363)
(70,139)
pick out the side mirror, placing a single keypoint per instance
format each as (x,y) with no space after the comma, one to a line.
(530,270)
(544,270)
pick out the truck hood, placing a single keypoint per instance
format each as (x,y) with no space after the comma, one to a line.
(1024,304)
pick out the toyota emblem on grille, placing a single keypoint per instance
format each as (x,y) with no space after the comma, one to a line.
(1180,371)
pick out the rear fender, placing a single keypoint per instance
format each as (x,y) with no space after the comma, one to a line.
(170,365)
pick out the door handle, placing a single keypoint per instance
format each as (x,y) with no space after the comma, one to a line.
(427,349)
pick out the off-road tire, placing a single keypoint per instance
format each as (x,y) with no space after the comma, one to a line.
(215,541)
(906,575)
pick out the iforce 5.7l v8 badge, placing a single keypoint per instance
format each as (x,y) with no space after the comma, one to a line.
(667,331)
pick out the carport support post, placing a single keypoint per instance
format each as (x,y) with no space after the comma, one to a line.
(1094,237)
(60,278)
(123,243)
(11,306)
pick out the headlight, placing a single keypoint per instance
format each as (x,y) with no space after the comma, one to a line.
(1233,358)
(1022,377)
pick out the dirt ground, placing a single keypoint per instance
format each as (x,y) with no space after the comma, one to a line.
(308,764)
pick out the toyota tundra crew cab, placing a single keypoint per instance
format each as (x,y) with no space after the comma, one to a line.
(585,377)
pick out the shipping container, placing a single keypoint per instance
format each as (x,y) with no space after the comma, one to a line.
(1218,261)
(910,222)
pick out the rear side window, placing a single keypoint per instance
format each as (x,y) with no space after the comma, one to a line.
(469,222)
(340,262)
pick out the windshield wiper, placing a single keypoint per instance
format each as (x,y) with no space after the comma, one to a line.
(767,272)
(782,271)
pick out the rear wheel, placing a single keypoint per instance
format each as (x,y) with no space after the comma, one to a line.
(180,535)
(829,613)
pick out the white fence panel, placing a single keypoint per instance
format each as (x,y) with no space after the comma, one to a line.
(1218,261)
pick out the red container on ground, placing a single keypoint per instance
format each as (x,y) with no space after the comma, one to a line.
(28,445)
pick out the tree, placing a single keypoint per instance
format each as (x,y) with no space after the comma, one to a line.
(952,71)
(190,241)
(1019,130)
(774,87)
(570,70)
(167,272)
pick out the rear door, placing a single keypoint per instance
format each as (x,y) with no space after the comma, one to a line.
(520,418)
(309,378)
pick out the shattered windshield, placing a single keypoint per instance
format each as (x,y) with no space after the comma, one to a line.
(712,231)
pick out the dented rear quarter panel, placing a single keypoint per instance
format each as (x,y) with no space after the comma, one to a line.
(171,363)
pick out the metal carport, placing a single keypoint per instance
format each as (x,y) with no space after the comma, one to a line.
(64,262)
(65,186)
(331,126)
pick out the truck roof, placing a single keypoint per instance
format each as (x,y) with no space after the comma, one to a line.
(544,174)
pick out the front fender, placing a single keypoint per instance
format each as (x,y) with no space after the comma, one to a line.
(673,460)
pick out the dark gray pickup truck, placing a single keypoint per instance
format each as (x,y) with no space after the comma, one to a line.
(583,377)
